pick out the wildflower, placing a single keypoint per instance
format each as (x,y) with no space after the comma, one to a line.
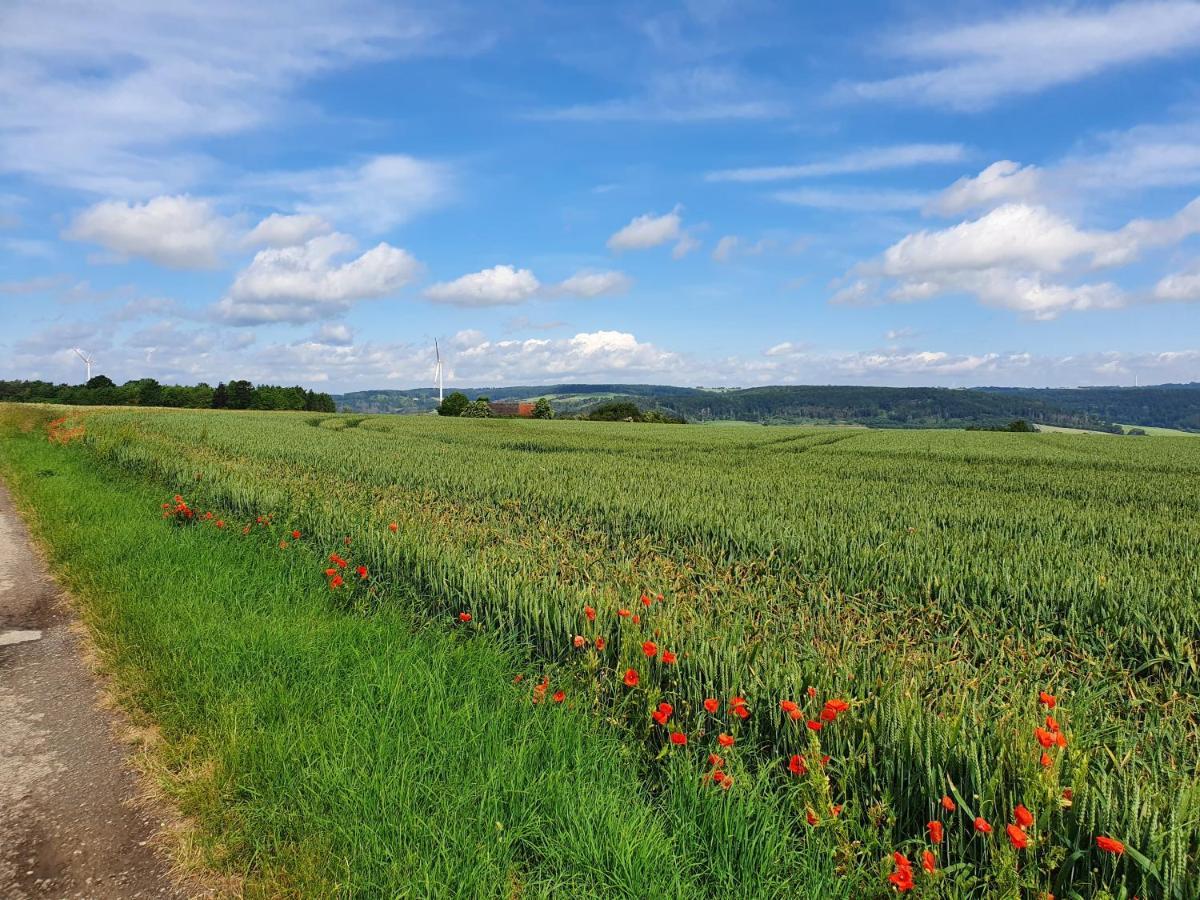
(1017,837)
(1110,845)
(600,642)
(812,817)
(246,530)
(650,648)
(393,527)
(220,523)
(928,862)
(742,712)
(828,714)
(982,826)
(711,705)
(737,701)
(631,678)
(837,705)
(559,696)
(362,571)
(788,706)
(902,877)
(1052,724)
(1046,761)
(208,515)
(637,620)
(295,535)
(663,714)
(590,613)
(814,725)
(718,776)
(518,678)
(1047,700)
(678,738)
(464,617)
(1044,737)
(835,809)
(336,581)
(1060,739)
(645,600)
(795,715)
(715,761)
(539,690)
(1068,794)
(796,765)
(727,782)
(330,572)
(948,804)
(725,740)
(812,692)
(668,657)
(623,613)
(283,545)
(1023,816)
(580,642)
(935,831)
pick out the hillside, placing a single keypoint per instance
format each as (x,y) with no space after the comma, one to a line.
(1162,406)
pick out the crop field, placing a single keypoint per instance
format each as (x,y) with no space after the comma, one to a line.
(831,662)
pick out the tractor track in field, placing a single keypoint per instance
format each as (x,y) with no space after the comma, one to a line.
(71,825)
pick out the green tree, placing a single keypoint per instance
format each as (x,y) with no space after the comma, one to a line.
(478,410)
(100,382)
(542,409)
(220,397)
(241,394)
(454,405)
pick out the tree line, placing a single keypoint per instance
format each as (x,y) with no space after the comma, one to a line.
(101,390)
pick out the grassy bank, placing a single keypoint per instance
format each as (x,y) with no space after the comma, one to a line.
(323,752)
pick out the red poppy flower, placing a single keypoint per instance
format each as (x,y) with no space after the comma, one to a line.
(590,613)
(559,696)
(935,831)
(631,678)
(712,705)
(901,861)
(362,571)
(295,535)
(623,613)
(837,705)
(741,712)
(725,740)
(718,776)
(330,572)
(1052,724)
(650,648)
(715,761)
(393,527)
(812,817)
(947,803)
(835,809)
(812,692)
(787,706)
(796,765)
(580,642)
(645,600)
(982,826)
(1110,845)
(1023,816)
(663,714)
(220,523)
(517,679)
(928,862)
(637,620)
(1047,700)
(1044,737)
(1046,761)
(902,879)
(678,738)
(1060,739)
(336,581)
(668,657)
(1017,837)
(814,725)
(737,701)
(1068,794)
(600,643)
(796,715)
(464,617)
(829,714)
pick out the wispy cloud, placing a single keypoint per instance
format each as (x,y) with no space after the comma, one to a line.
(872,159)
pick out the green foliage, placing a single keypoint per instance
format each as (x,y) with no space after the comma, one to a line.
(478,409)
(99,383)
(938,580)
(542,409)
(616,411)
(454,404)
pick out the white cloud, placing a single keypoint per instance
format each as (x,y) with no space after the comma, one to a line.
(334,333)
(725,248)
(1179,287)
(278,230)
(647,231)
(375,195)
(178,232)
(304,284)
(103,97)
(595,284)
(873,159)
(854,199)
(497,286)
(597,354)
(731,245)
(974,66)
(685,245)
(1000,182)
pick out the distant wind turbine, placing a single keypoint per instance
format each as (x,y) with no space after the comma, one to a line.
(87,361)
(437,369)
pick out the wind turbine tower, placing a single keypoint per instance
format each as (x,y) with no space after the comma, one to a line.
(87,361)
(437,369)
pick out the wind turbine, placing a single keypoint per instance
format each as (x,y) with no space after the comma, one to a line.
(437,369)
(87,361)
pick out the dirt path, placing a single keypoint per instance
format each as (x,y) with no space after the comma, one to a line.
(67,828)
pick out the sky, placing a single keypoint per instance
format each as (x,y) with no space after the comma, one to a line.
(701,193)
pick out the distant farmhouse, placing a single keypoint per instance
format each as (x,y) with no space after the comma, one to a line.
(510,410)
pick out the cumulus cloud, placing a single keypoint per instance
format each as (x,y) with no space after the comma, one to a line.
(647,231)
(278,230)
(872,159)
(304,283)
(973,66)
(334,333)
(595,284)
(497,286)
(1000,182)
(179,232)
(1179,287)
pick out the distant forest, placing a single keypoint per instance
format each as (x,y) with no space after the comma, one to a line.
(1096,409)
(102,391)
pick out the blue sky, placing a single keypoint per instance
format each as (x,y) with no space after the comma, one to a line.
(701,193)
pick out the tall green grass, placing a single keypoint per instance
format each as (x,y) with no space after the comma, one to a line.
(325,753)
